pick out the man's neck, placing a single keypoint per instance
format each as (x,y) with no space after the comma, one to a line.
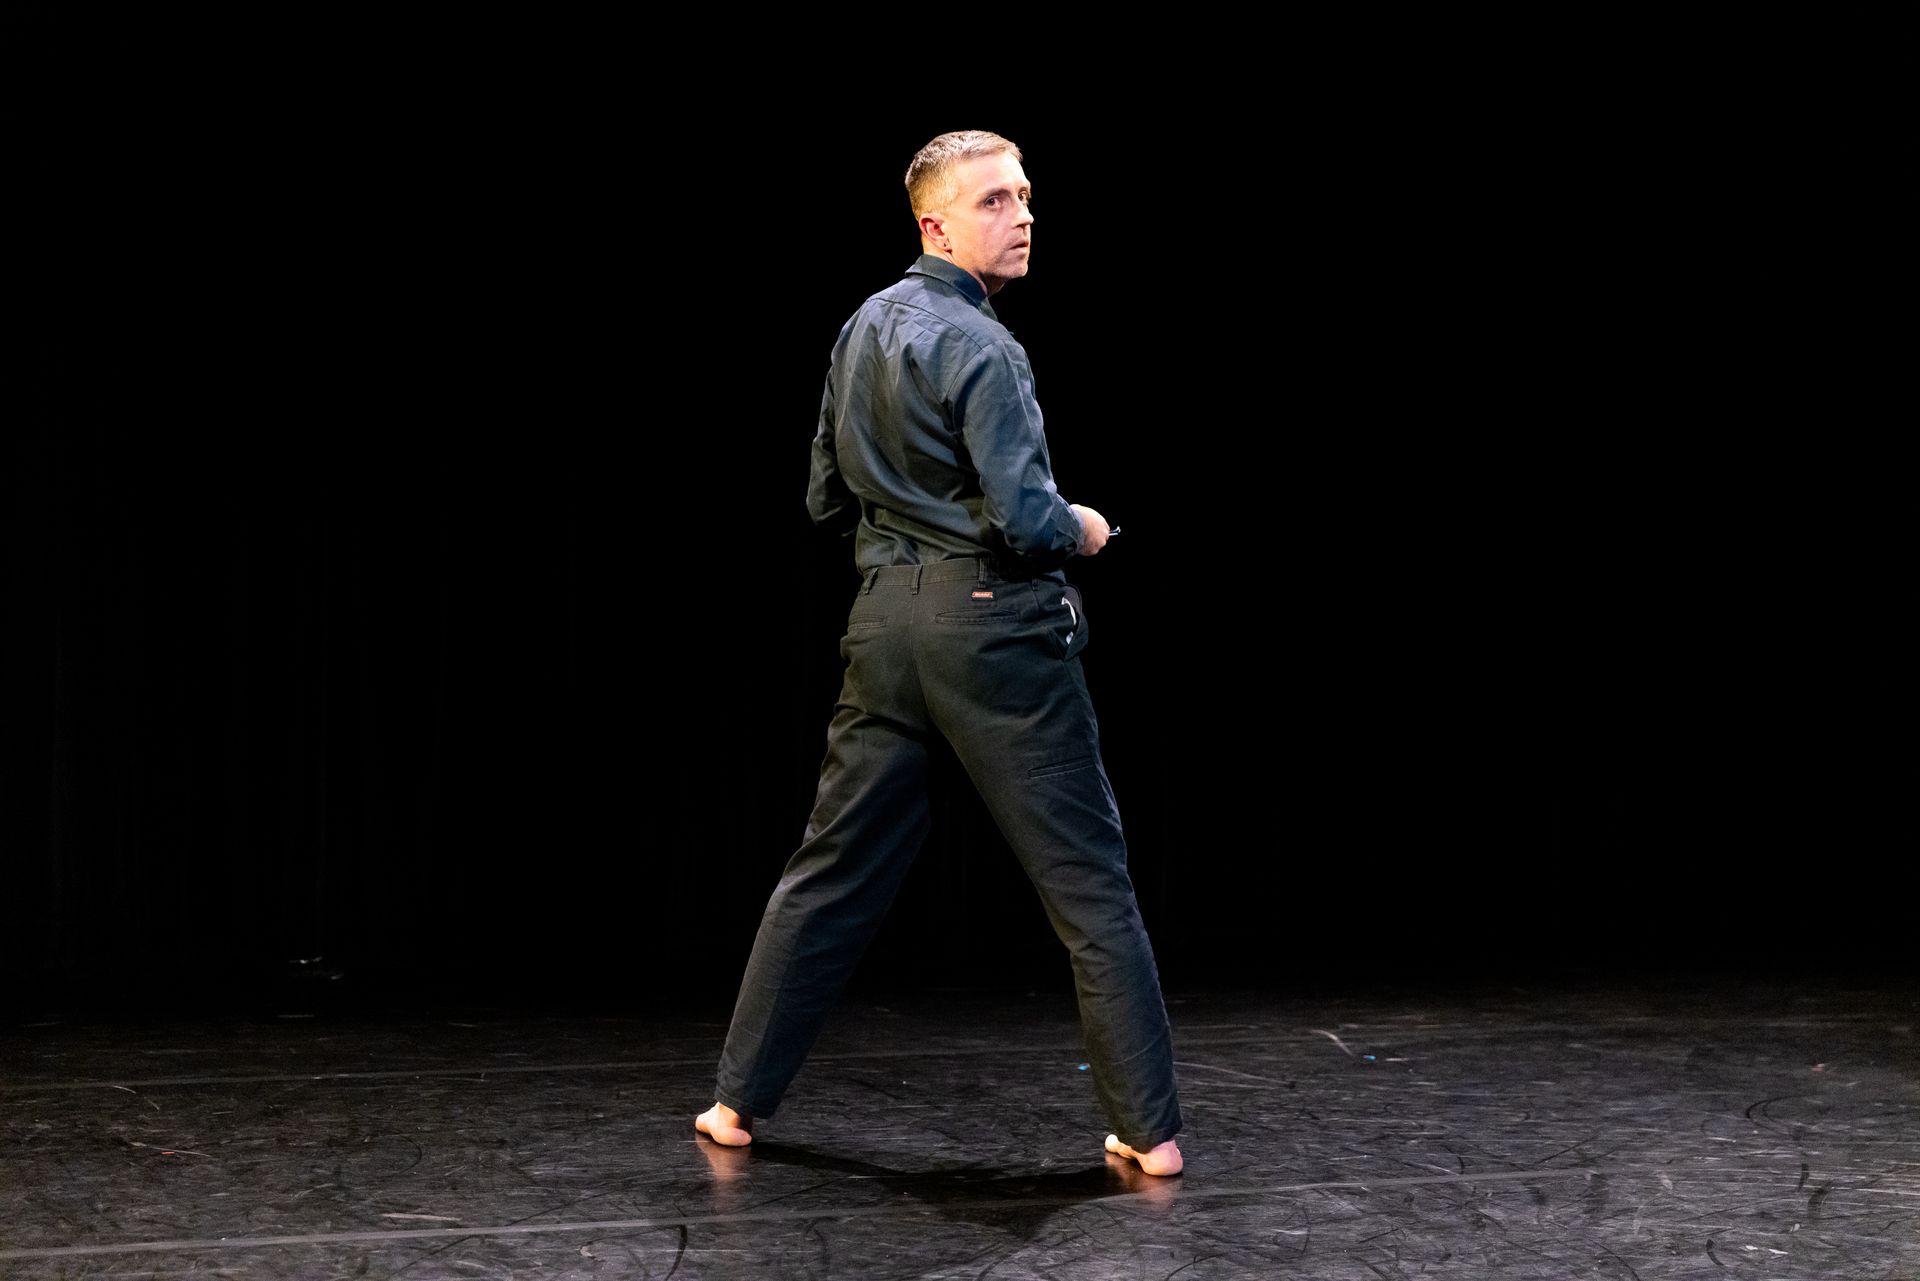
(992,287)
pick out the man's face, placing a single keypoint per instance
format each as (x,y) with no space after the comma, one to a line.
(988,225)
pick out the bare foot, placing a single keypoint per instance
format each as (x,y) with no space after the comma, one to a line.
(1164,1159)
(723,1125)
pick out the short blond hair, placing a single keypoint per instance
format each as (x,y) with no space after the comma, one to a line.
(930,180)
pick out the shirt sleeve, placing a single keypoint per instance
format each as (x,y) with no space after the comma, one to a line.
(999,419)
(829,501)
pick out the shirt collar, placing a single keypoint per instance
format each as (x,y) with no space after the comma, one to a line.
(959,277)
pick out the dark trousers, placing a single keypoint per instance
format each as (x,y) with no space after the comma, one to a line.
(993,665)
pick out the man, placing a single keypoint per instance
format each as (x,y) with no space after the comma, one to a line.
(930,450)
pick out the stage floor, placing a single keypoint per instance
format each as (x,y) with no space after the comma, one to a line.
(1604,1133)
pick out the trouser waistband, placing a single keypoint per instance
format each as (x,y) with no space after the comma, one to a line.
(940,571)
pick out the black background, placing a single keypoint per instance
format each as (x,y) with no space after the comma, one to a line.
(407,565)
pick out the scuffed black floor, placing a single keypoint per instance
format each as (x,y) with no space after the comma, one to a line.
(1758,1133)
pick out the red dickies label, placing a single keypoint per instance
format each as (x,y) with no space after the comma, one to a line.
(983,595)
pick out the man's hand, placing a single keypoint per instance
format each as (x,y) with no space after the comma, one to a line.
(1093,527)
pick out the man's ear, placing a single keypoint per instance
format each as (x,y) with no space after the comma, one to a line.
(933,229)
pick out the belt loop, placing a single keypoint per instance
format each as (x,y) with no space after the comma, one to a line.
(916,578)
(980,563)
(873,576)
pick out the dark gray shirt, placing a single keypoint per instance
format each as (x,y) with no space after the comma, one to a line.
(930,445)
